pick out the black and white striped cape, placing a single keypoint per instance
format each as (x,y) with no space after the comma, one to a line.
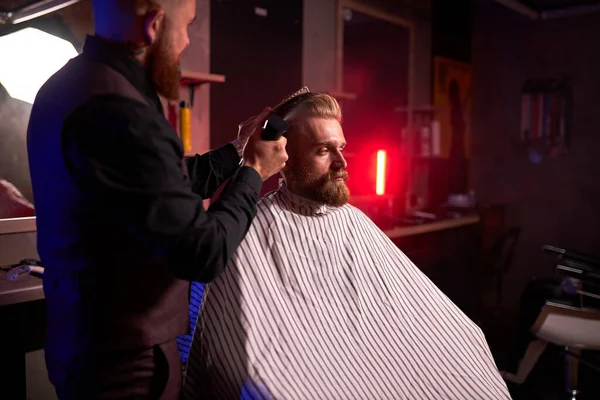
(317,303)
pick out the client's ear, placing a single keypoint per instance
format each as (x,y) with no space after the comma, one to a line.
(154,22)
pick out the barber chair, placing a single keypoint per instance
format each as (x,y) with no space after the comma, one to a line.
(574,328)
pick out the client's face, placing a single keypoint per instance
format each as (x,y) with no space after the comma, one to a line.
(316,165)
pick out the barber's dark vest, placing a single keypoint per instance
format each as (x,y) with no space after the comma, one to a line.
(85,315)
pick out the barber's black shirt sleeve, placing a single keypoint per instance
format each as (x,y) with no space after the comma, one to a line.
(208,171)
(127,161)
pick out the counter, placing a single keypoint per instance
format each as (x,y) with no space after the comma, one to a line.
(17,225)
(22,316)
(432,227)
(25,288)
(17,240)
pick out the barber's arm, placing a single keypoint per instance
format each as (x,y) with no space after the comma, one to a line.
(208,171)
(134,161)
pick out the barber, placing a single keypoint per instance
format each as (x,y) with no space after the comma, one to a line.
(121,226)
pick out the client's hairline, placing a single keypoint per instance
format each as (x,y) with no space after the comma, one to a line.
(299,113)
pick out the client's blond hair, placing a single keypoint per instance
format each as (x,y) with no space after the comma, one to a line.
(306,105)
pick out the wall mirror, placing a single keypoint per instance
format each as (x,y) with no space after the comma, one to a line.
(375,69)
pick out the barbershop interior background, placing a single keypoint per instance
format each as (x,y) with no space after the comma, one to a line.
(472,130)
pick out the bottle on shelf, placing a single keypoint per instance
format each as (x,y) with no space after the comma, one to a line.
(425,141)
(185,128)
(436,138)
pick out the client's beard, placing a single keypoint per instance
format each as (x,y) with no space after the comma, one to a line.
(321,189)
(163,67)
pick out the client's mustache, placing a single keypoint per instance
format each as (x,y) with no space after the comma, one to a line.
(335,175)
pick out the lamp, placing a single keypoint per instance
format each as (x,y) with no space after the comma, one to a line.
(29,57)
(380,178)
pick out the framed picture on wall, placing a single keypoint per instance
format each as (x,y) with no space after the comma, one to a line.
(452,96)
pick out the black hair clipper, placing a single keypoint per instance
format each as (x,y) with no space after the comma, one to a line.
(274,128)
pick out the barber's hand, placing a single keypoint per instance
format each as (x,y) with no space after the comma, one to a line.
(251,126)
(266,157)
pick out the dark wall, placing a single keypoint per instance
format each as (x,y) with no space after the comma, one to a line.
(452,30)
(261,57)
(452,26)
(558,201)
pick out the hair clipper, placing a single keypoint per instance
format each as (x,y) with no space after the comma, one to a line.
(276,126)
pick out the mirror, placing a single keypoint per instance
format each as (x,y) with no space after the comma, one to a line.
(375,66)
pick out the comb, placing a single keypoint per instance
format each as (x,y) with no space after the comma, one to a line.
(291,97)
(275,126)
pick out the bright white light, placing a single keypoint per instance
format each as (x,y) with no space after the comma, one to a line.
(29,57)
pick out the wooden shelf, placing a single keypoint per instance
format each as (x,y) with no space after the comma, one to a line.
(200,78)
(342,95)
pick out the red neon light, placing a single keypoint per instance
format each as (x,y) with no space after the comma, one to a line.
(380,182)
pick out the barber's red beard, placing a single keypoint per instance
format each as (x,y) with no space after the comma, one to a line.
(163,67)
(322,189)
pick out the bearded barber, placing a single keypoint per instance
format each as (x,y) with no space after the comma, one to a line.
(121,227)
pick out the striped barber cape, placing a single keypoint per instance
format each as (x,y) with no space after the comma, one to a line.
(317,303)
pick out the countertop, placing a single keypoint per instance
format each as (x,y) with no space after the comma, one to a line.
(25,288)
(429,227)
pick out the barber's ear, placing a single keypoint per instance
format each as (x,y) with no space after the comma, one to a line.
(154,21)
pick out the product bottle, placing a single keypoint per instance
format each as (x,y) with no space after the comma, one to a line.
(185,126)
